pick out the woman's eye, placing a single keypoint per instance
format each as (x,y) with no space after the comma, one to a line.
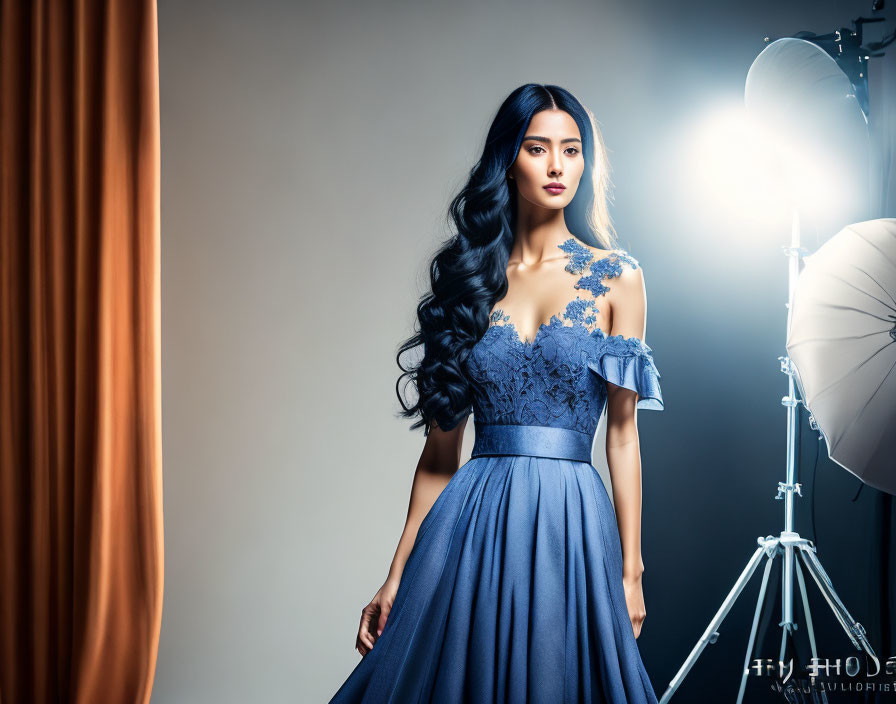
(569,150)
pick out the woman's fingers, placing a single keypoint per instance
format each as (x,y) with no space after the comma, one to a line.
(363,643)
(374,616)
(637,622)
(365,637)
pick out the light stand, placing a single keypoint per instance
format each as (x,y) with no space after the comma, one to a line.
(787,544)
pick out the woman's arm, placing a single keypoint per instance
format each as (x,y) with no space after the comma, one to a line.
(623,445)
(438,462)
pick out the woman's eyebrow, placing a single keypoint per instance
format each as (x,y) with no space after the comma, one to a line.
(536,138)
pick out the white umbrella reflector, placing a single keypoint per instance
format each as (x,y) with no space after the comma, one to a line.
(842,341)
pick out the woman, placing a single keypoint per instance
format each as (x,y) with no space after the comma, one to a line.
(512,580)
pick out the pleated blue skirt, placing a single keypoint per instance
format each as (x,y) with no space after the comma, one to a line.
(513,590)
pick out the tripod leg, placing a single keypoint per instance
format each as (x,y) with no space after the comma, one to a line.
(710,635)
(805,598)
(787,624)
(853,628)
(752,641)
(822,695)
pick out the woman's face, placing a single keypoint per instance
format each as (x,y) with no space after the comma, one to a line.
(551,153)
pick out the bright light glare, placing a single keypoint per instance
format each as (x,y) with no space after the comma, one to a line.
(735,170)
(747,171)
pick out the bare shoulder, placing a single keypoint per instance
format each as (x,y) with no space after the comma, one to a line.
(627,295)
(628,270)
(624,277)
(618,263)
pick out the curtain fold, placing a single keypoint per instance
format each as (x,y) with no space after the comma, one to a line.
(81,537)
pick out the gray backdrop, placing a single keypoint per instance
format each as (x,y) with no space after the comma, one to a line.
(309,152)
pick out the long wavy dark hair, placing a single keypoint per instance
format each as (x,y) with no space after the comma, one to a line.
(468,274)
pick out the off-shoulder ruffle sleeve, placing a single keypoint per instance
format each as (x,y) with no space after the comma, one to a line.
(628,362)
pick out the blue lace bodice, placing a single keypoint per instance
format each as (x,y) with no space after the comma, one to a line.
(559,378)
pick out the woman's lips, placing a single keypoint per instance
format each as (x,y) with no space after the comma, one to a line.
(555,190)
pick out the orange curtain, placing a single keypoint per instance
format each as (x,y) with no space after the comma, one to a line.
(81,542)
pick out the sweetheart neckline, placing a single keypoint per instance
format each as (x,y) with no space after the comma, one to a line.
(531,343)
(556,322)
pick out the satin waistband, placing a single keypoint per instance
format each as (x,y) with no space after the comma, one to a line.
(532,440)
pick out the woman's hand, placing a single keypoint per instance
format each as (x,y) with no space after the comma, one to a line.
(374,615)
(634,599)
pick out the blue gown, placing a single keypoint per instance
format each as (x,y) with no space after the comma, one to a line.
(513,590)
